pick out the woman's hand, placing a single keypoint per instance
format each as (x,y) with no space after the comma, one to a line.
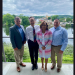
(43,47)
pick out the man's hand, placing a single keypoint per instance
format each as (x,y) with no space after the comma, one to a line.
(24,42)
(16,48)
(61,52)
(43,47)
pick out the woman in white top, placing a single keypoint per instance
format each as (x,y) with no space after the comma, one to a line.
(44,39)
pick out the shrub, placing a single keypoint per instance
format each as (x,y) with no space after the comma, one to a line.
(9,54)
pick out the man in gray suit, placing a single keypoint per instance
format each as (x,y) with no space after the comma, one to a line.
(18,39)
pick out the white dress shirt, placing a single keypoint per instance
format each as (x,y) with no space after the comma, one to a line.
(29,32)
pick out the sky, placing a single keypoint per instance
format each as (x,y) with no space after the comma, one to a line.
(38,7)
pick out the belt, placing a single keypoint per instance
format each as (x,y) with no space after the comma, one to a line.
(56,46)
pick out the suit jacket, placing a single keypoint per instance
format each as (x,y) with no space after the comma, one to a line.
(15,37)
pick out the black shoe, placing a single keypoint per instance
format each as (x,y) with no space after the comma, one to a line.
(36,66)
(52,67)
(32,67)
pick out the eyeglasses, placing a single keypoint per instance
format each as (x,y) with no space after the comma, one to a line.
(55,22)
(43,25)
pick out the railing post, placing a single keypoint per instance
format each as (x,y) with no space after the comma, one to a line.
(3,53)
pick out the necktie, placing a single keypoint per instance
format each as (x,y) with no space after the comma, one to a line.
(34,35)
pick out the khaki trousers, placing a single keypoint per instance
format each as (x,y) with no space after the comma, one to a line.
(59,56)
(19,55)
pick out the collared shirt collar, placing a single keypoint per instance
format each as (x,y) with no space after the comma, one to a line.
(32,26)
(57,28)
(17,26)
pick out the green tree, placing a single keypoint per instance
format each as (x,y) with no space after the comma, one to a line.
(14,15)
(49,18)
(25,21)
(54,17)
(68,19)
(37,17)
(8,19)
(62,19)
(6,30)
(21,15)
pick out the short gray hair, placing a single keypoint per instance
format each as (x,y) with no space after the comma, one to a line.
(57,19)
(17,18)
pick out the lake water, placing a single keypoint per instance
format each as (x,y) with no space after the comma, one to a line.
(5,33)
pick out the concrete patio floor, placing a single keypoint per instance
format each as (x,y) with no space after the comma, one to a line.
(9,68)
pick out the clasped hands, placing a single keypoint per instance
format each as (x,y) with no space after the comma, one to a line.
(43,47)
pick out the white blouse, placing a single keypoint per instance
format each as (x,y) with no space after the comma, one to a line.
(43,43)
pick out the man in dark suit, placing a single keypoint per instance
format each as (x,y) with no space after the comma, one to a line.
(18,39)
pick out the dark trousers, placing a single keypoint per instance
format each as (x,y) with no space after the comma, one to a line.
(33,50)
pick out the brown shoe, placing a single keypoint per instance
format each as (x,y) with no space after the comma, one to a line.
(18,69)
(52,67)
(58,69)
(22,64)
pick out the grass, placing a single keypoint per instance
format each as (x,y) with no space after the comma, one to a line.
(66,59)
(38,24)
(9,54)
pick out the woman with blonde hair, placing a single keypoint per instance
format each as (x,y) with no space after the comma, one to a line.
(44,39)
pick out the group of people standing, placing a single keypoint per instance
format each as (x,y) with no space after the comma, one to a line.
(40,39)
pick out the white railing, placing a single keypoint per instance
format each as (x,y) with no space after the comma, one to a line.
(9,37)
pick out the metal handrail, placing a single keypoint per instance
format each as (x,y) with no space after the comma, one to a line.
(68,37)
(9,37)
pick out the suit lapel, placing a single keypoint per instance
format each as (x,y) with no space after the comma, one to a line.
(22,29)
(17,31)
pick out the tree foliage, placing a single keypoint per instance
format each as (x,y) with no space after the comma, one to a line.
(68,19)
(8,19)
(62,19)
(54,17)
(38,17)
(65,16)
(49,18)
(14,15)
(25,21)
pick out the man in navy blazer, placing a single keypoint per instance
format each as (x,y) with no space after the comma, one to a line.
(18,39)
